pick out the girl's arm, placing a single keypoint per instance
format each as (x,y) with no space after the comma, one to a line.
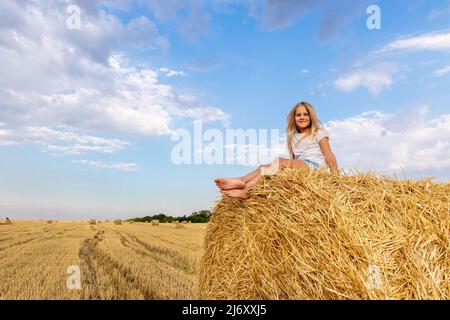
(330,159)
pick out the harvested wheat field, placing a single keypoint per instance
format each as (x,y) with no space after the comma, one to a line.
(307,234)
(116,261)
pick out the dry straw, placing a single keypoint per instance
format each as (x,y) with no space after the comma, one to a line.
(92,221)
(118,221)
(307,234)
(155,222)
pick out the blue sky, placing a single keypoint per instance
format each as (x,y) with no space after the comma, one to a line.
(87,112)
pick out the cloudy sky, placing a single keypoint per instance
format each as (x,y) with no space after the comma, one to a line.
(92,94)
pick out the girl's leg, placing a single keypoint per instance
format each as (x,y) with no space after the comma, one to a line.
(252,178)
(239,182)
(241,193)
(238,187)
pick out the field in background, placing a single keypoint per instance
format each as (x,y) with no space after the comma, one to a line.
(128,261)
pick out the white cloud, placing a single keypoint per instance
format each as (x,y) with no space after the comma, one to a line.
(424,42)
(172,73)
(62,142)
(79,79)
(5,132)
(436,13)
(377,74)
(388,143)
(375,79)
(102,165)
(193,25)
(441,72)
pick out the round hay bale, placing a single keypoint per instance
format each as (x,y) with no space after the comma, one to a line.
(177,222)
(118,222)
(92,221)
(155,222)
(311,234)
(179,226)
(184,222)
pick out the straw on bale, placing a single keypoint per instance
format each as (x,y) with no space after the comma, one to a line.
(118,221)
(92,221)
(155,222)
(306,234)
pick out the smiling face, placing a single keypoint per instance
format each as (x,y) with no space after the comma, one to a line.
(302,119)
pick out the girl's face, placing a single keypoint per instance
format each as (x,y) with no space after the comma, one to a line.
(302,120)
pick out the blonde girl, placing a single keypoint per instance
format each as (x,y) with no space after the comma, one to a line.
(308,145)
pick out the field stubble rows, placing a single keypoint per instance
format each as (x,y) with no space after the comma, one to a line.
(128,261)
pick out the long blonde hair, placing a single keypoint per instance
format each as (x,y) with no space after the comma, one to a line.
(315,124)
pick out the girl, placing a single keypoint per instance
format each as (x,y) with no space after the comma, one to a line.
(308,146)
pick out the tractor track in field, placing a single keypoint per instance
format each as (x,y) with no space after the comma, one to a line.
(92,256)
(26,241)
(5,239)
(89,274)
(187,247)
(167,256)
(38,235)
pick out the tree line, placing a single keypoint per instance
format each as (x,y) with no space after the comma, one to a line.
(201,216)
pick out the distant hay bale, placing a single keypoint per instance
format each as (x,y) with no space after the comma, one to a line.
(6,222)
(155,222)
(93,221)
(306,234)
(177,222)
(179,226)
(184,222)
(189,222)
(118,221)
(49,221)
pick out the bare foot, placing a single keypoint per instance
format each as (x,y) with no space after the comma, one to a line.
(228,184)
(236,193)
